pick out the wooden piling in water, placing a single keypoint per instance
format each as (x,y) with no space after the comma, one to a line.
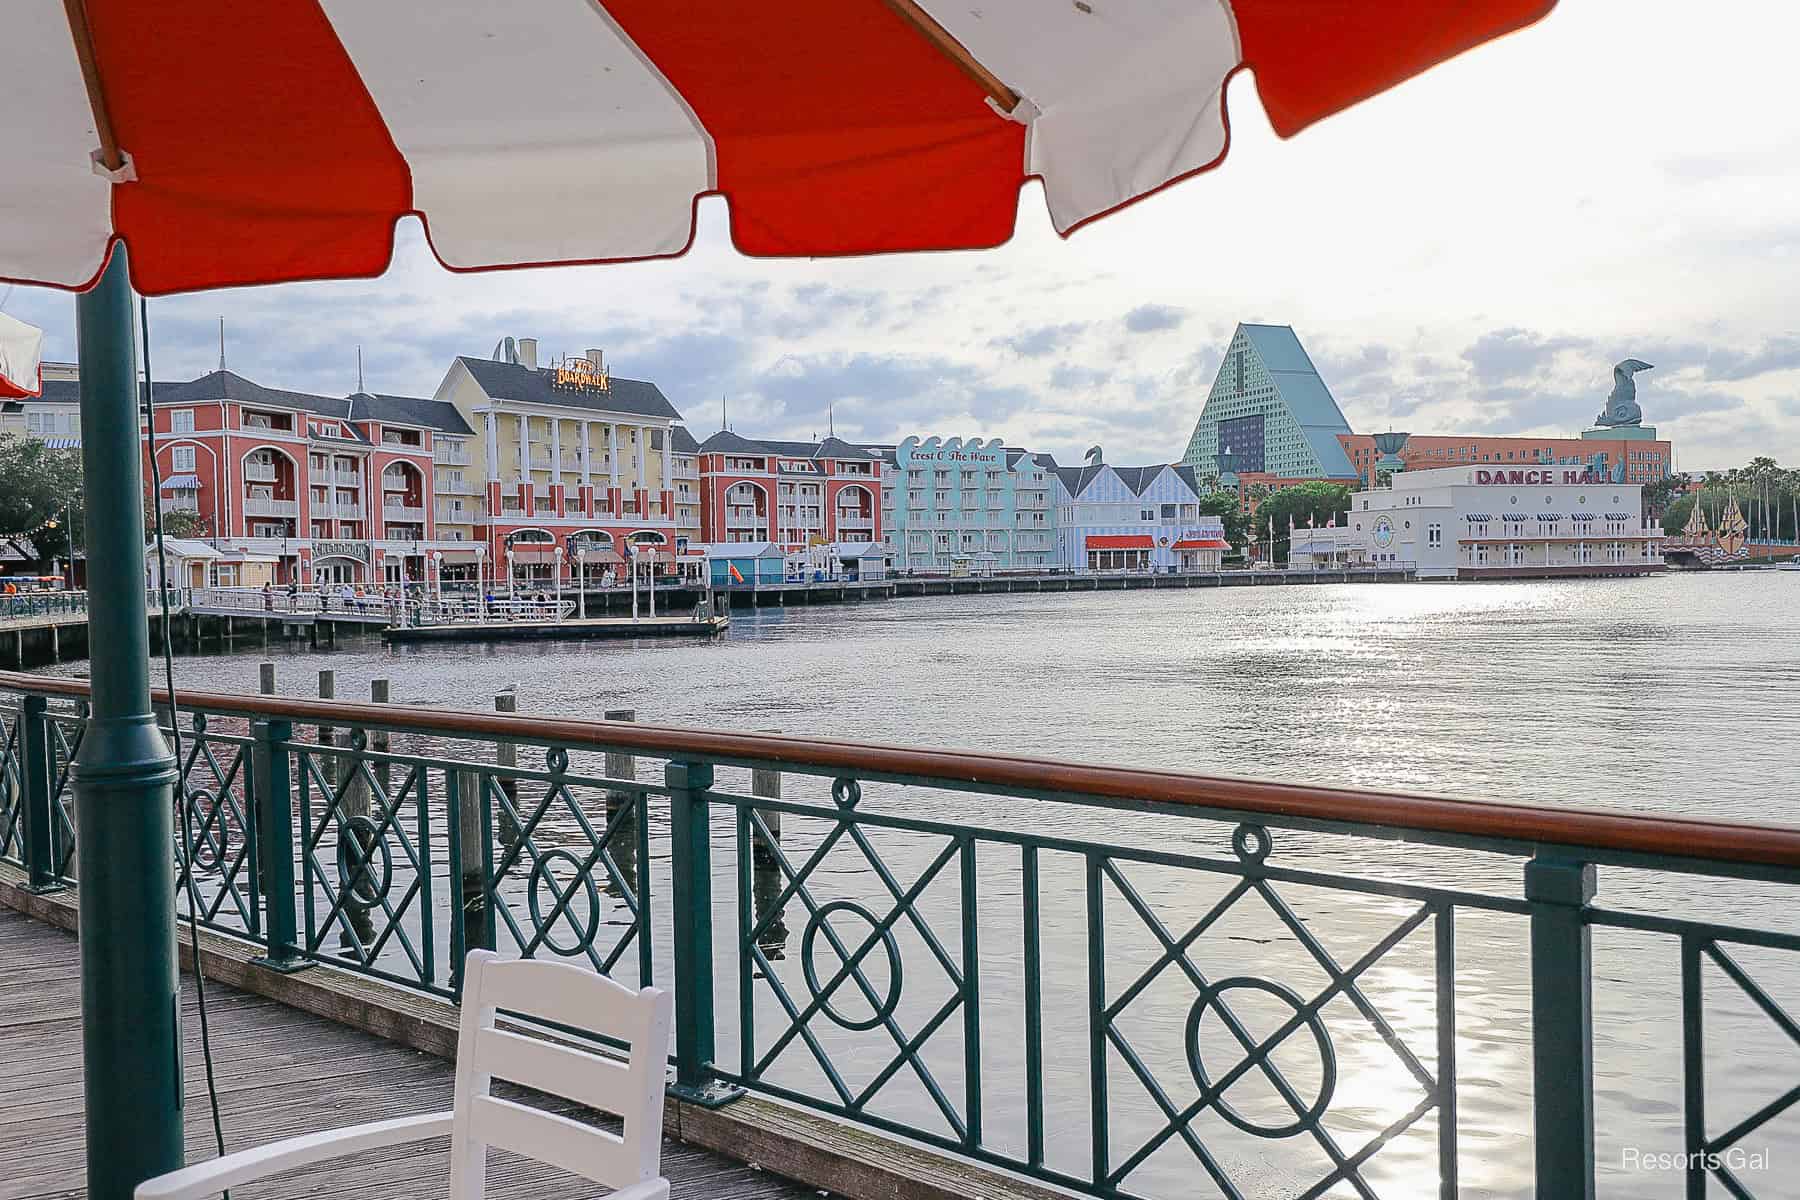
(506,754)
(621,806)
(766,782)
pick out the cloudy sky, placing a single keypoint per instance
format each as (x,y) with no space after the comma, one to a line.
(1469,253)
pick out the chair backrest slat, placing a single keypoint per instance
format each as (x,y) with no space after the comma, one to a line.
(631,1090)
(547,1138)
(599,1083)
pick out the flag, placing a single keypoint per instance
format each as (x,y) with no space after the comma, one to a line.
(737,576)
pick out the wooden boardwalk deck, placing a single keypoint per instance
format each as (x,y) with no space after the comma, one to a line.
(281,1072)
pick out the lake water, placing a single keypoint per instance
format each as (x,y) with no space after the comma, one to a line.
(1677,694)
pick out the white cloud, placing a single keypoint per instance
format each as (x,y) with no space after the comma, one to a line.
(1615,179)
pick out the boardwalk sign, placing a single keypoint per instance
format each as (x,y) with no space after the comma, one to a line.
(973,454)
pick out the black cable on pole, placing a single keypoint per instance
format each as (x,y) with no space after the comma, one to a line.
(182,800)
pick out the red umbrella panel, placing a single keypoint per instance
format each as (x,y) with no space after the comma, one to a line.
(286,147)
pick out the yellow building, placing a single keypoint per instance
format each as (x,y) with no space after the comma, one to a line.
(563,451)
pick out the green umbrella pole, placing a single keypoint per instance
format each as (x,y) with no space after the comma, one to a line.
(123,777)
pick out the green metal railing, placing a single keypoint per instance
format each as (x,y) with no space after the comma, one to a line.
(1113,981)
(42,604)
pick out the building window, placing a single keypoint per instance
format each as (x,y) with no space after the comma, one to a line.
(181,458)
(1434,535)
(181,420)
(1146,514)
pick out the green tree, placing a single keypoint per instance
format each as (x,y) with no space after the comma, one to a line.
(1660,495)
(1316,501)
(177,523)
(40,494)
(1226,507)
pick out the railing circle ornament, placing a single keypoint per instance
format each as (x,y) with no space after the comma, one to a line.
(359,739)
(359,846)
(1251,843)
(845,793)
(199,722)
(809,966)
(561,900)
(556,759)
(1213,995)
(204,853)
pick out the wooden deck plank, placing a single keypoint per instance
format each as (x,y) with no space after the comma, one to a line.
(281,1071)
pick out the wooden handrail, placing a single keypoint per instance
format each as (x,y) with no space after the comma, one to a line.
(1693,838)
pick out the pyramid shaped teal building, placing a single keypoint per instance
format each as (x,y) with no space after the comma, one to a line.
(1269,411)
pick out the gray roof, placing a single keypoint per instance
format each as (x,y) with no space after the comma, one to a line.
(727,442)
(511,381)
(439,415)
(834,448)
(1137,479)
(1076,479)
(228,385)
(684,441)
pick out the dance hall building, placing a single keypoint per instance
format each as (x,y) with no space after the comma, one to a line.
(1491,522)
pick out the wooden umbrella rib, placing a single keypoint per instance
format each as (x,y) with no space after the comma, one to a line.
(928,28)
(110,156)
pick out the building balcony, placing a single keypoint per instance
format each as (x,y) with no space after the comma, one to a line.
(346,478)
(344,511)
(854,521)
(453,487)
(258,506)
(402,512)
(260,472)
(540,461)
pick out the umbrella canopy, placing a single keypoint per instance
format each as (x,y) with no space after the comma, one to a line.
(285,147)
(21,348)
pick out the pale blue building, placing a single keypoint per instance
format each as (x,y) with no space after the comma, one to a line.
(955,506)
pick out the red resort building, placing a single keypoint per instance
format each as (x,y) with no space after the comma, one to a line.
(334,490)
(796,494)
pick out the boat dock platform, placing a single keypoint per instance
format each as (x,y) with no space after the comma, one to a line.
(593,628)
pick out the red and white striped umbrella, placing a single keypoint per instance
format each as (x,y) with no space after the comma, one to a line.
(281,140)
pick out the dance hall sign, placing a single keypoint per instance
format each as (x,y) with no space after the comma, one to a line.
(1537,477)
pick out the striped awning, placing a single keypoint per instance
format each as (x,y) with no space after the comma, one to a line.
(287,144)
(62,443)
(1478,518)
(1120,541)
(1514,517)
(1581,516)
(1552,518)
(1621,516)
(181,483)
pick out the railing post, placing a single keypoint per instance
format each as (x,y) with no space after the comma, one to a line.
(34,737)
(690,896)
(275,819)
(1562,1026)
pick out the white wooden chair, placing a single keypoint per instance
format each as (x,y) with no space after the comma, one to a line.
(547,991)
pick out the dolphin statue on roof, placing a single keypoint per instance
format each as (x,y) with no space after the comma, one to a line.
(1621,405)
